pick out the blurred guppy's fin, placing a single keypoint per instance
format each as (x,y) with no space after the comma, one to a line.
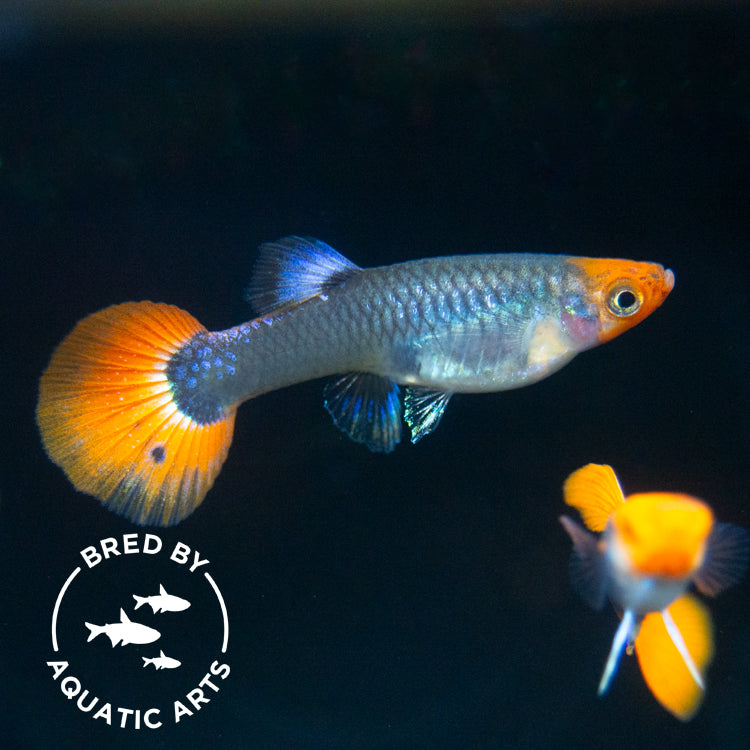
(665,670)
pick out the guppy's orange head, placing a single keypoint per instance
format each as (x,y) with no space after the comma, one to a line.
(661,534)
(623,291)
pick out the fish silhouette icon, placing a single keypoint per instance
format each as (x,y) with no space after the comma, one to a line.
(124,632)
(162,602)
(162,661)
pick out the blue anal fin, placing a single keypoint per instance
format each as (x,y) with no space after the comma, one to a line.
(293,270)
(423,410)
(367,408)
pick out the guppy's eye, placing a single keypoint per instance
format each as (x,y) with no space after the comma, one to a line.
(624,300)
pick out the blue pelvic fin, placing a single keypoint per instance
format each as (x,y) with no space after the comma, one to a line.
(423,410)
(367,408)
(623,637)
(293,270)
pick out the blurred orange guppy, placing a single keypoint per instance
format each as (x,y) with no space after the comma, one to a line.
(653,547)
(138,402)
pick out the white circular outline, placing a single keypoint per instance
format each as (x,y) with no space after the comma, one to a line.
(223,612)
(57,607)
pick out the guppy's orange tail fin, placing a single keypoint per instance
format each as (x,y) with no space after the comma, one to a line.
(108,418)
(664,669)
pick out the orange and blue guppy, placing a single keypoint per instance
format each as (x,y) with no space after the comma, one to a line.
(654,546)
(137,405)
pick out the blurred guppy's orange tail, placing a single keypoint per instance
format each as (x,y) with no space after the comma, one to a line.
(664,668)
(108,417)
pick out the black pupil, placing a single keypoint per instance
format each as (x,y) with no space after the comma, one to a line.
(625,300)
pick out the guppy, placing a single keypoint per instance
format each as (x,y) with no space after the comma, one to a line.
(138,402)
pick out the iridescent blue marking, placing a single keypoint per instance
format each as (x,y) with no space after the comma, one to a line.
(293,270)
(194,366)
(367,408)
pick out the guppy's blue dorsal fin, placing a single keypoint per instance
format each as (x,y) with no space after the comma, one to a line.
(423,410)
(367,408)
(293,270)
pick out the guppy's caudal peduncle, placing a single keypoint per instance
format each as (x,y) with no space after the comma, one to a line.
(137,405)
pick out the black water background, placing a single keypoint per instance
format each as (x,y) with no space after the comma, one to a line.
(419,599)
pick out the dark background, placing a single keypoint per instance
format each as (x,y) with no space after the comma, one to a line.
(419,599)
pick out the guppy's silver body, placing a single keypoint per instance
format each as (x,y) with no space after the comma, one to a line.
(471,323)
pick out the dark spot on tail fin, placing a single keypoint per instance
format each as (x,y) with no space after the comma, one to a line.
(108,417)
(158,454)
